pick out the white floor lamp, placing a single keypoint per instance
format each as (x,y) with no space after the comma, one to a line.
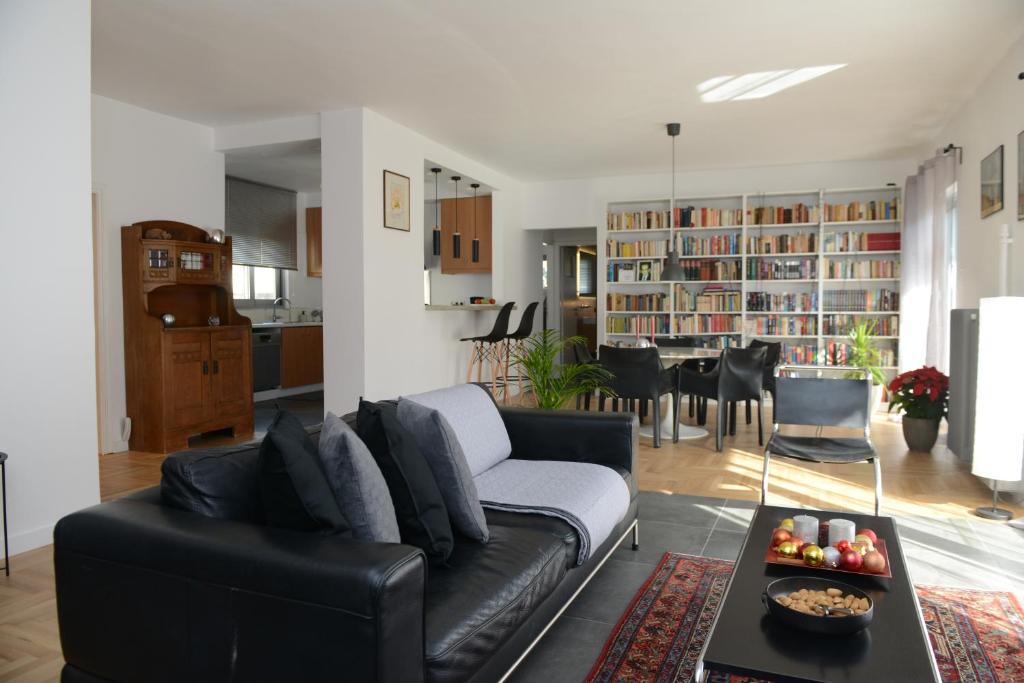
(998,422)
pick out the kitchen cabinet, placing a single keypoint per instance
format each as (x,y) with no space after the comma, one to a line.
(314,242)
(465,209)
(302,356)
(191,376)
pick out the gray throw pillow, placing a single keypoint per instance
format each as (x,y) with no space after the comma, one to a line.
(357,483)
(441,448)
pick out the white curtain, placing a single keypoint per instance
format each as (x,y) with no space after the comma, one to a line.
(927,265)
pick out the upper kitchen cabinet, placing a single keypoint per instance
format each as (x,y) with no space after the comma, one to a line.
(465,207)
(314,242)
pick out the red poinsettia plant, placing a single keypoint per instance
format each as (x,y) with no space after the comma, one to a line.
(921,393)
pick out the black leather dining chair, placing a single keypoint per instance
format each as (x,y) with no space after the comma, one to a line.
(737,376)
(490,347)
(638,375)
(694,364)
(772,358)
(803,398)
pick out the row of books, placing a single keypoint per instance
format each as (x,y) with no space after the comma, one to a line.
(788,269)
(709,300)
(637,302)
(639,271)
(637,248)
(724,245)
(706,217)
(863,211)
(801,242)
(780,215)
(875,268)
(784,301)
(645,325)
(860,300)
(860,241)
(884,326)
(703,324)
(704,269)
(784,324)
(799,354)
(638,220)
(838,353)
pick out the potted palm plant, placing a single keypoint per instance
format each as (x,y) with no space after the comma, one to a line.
(923,397)
(554,384)
(864,354)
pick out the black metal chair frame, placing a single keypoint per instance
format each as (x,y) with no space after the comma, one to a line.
(820,420)
(490,347)
(513,343)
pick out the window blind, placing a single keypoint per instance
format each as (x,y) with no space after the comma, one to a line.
(261,222)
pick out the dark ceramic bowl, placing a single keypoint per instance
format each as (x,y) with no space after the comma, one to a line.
(807,622)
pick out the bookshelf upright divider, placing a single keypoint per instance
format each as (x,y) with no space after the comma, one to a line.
(802,264)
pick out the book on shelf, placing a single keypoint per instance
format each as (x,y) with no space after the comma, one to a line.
(842,324)
(861,300)
(837,353)
(638,220)
(874,210)
(627,324)
(785,302)
(707,324)
(635,271)
(800,242)
(716,245)
(774,325)
(781,215)
(787,269)
(847,269)
(712,299)
(707,217)
(637,248)
(848,240)
(637,302)
(799,354)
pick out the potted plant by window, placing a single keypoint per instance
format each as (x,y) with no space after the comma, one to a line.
(923,397)
(864,354)
(554,384)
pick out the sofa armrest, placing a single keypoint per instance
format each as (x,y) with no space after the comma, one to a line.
(600,438)
(206,599)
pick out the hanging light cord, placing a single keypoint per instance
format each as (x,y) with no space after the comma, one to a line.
(437,220)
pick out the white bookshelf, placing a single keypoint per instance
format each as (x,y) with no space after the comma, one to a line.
(817,286)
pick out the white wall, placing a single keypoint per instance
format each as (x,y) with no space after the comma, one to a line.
(374,275)
(992,116)
(145,166)
(47,351)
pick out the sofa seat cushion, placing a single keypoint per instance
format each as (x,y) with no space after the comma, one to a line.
(486,591)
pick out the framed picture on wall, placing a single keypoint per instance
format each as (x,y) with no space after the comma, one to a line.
(396,201)
(1020,176)
(992,183)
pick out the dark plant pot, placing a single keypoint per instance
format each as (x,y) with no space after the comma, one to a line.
(920,433)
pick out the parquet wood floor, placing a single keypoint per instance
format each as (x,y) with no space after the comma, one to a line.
(932,485)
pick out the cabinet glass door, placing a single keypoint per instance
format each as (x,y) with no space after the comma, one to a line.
(158,263)
(197,264)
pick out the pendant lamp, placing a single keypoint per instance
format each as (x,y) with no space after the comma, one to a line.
(436,241)
(672,270)
(476,242)
(456,236)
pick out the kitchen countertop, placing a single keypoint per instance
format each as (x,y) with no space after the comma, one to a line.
(266,325)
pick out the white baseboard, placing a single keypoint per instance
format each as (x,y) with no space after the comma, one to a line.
(24,541)
(281,393)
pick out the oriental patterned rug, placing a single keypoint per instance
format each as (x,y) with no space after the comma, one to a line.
(977,636)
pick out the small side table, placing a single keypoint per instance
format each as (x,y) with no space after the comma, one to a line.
(3,489)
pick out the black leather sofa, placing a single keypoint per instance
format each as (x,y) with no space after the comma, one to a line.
(147,592)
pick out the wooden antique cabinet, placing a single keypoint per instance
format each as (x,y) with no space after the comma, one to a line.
(191,377)
(465,208)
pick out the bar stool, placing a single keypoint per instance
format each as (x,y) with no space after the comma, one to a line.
(490,347)
(514,344)
(3,486)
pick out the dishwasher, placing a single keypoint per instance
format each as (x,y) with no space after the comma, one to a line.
(266,359)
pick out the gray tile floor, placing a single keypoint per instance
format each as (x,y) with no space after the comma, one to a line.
(951,552)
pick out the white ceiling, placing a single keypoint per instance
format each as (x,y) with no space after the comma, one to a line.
(571,88)
(291,165)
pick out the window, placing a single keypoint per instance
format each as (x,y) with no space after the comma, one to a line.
(255,283)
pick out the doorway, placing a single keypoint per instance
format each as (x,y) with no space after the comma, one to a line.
(570,267)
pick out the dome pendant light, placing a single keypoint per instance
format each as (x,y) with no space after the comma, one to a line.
(456,236)
(672,272)
(436,241)
(476,242)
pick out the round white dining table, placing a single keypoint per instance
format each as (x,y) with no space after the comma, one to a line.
(669,356)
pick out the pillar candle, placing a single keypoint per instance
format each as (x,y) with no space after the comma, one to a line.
(840,530)
(805,528)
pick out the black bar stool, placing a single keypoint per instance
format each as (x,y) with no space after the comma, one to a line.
(514,343)
(490,347)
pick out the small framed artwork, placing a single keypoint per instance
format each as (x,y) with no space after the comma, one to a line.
(645,270)
(1020,176)
(992,183)
(396,201)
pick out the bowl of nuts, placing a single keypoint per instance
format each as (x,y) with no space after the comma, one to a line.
(818,604)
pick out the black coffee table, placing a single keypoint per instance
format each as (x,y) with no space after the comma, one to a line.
(745,640)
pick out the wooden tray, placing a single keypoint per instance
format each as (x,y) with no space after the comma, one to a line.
(771,557)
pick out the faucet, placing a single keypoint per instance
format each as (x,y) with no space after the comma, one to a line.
(280,300)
